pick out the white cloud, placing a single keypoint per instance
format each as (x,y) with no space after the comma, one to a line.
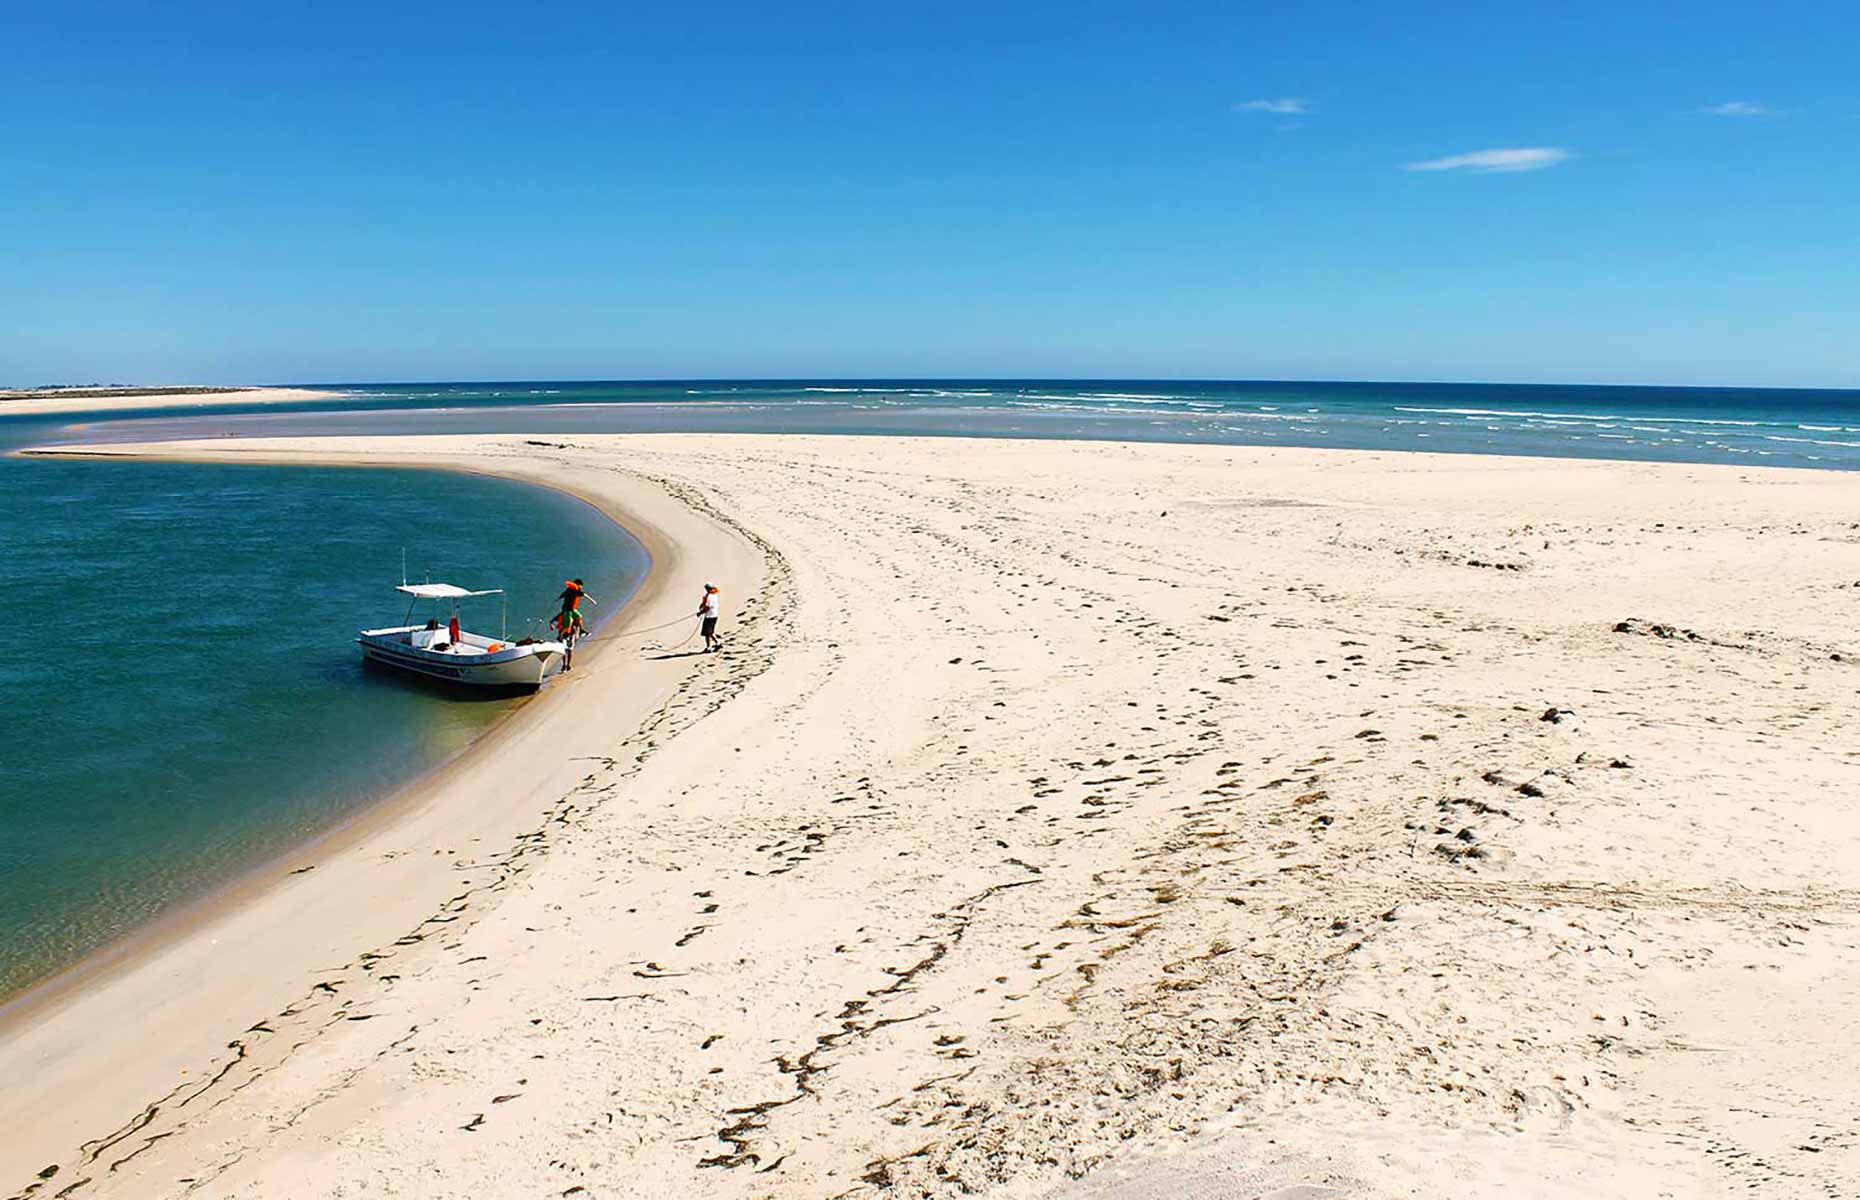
(1740,108)
(1486,162)
(1287,106)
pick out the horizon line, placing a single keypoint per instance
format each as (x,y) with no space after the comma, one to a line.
(924,379)
(1035,379)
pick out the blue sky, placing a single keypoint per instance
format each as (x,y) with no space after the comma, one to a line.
(361,192)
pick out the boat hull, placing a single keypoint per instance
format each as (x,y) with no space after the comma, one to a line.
(510,668)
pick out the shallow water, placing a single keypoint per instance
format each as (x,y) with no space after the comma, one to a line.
(184,698)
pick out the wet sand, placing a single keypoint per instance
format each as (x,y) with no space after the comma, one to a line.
(1076,820)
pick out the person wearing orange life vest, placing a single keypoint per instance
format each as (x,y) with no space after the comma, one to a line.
(567,624)
(707,610)
(573,593)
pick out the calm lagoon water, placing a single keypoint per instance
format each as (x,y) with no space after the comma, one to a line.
(184,699)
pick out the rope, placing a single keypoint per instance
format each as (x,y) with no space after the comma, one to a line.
(648,629)
(630,632)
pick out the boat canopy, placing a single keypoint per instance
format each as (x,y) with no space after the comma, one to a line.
(443,591)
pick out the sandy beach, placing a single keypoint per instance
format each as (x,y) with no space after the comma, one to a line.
(1063,821)
(30,402)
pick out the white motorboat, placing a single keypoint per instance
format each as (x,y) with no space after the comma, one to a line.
(441,650)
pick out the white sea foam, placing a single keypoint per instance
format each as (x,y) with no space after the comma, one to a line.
(1071,405)
(1807,441)
(1504,412)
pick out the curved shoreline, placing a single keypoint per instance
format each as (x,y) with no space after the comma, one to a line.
(122,951)
(353,889)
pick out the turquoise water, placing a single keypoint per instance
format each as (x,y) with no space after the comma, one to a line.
(184,700)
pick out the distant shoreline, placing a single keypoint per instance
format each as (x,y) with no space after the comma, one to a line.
(109,389)
(111,399)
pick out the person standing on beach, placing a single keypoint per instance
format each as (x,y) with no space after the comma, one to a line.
(707,611)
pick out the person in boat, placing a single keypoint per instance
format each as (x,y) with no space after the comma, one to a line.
(568,630)
(707,612)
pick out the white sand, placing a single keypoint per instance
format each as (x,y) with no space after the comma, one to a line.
(1070,820)
(15,404)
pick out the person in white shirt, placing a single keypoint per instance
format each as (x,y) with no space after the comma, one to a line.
(707,610)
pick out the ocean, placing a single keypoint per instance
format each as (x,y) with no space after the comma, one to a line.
(1770,427)
(183,631)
